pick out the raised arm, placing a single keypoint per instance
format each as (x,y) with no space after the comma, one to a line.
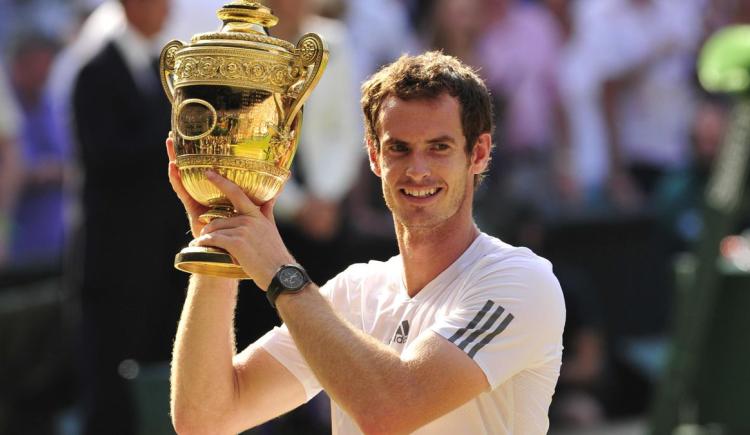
(382,391)
(213,389)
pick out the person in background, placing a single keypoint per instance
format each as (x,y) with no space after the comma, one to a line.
(121,114)
(39,223)
(98,26)
(310,209)
(366,21)
(10,164)
(518,54)
(626,82)
(679,196)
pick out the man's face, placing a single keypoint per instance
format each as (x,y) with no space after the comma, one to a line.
(426,174)
(148,16)
(289,9)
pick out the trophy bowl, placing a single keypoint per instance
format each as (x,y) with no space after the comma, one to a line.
(237,98)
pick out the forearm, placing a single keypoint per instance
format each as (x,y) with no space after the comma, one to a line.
(203,381)
(366,378)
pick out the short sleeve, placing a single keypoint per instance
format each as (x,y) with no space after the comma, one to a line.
(279,343)
(510,318)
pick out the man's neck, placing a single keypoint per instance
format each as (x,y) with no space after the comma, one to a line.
(427,253)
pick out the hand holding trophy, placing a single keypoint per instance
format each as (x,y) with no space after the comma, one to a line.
(237,98)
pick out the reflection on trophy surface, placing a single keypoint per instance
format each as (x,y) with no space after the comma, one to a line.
(237,97)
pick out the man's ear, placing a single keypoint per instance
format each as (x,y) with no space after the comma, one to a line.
(480,155)
(372,152)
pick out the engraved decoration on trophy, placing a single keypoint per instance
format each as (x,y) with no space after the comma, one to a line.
(237,97)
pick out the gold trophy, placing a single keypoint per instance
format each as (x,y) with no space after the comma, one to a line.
(237,97)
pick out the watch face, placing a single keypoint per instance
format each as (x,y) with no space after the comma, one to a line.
(291,278)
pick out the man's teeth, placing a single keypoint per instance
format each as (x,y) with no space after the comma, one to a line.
(420,192)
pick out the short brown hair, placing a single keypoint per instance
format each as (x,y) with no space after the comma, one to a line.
(428,76)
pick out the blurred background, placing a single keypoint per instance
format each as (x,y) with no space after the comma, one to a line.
(605,146)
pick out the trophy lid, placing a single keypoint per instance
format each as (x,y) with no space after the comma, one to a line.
(244,20)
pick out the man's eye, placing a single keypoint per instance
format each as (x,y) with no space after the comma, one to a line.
(441,146)
(399,148)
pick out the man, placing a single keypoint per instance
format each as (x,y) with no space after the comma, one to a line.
(120,115)
(460,333)
(39,223)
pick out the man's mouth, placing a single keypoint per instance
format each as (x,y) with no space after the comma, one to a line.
(421,193)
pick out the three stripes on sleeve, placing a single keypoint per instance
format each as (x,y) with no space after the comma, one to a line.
(479,337)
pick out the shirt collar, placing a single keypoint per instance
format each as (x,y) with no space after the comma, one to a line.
(137,50)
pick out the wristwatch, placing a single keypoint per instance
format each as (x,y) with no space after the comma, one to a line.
(290,278)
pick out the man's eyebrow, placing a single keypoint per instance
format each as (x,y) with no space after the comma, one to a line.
(394,141)
(439,139)
(443,138)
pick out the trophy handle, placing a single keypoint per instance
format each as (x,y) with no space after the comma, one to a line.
(167,65)
(312,55)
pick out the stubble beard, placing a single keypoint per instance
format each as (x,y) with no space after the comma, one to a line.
(424,222)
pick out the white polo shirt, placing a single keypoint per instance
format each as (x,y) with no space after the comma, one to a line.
(500,304)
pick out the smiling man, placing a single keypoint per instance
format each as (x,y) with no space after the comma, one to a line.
(460,333)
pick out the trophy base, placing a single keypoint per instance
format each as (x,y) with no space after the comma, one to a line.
(205,260)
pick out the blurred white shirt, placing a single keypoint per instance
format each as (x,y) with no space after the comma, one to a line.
(190,17)
(380,31)
(657,43)
(331,146)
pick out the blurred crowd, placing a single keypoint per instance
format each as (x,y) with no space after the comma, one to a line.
(604,143)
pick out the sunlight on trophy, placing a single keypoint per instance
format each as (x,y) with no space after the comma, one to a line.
(237,97)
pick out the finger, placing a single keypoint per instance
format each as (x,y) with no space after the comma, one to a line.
(240,201)
(216,240)
(176,181)
(225,223)
(170,148)
(267,209)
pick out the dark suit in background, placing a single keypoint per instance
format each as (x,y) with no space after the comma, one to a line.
(133,225)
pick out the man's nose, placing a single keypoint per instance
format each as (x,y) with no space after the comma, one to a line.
(418,167)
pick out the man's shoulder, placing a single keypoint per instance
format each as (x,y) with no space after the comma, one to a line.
(373,269)
(107,55)
(101,66)
(521,281)
(505,264)
(495,252)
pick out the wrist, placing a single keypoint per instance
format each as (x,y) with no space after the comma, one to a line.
(215,283)
(272,268)
(289,278)
(288,297)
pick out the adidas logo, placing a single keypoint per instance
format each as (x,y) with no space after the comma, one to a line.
(402,333)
